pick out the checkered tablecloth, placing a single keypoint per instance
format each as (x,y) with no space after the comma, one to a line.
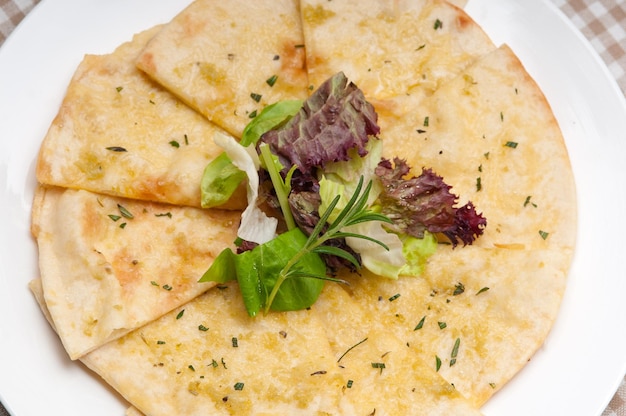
(603,22)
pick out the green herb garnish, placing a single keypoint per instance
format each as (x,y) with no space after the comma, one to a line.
(381,366)
(420,324)
(116,149)
(125,213)
(484,289)
(287,272)
(455,351)
(272,80)
(351,348)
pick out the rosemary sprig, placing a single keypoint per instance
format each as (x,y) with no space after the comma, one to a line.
(355,212)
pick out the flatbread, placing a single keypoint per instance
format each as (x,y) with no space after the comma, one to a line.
(528,197)
(390,48)
(327,381)
(448,99)
(492,135)
(117,132)
(389,377)
(283,360)
(105,274)
(219,56)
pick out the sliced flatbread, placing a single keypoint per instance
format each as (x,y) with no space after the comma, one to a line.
(230,59)
(505,304)
(210,357)
(126,301)
(194,367)
(388,376)
(105,274)
(390,48)
(491,127)
(492,135)
(117,132)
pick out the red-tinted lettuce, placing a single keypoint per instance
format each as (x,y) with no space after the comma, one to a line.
(425,203)
(333,120)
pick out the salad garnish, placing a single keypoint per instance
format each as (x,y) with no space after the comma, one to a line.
(321,198)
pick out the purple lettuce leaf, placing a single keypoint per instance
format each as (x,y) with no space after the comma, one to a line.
(425,203)
(333,120)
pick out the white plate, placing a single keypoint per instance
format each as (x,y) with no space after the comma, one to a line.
(583,360)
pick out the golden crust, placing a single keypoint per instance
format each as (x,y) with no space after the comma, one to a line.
(215,55)
(119,133)
(104,274)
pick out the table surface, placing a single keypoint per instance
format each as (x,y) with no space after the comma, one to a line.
(602,22)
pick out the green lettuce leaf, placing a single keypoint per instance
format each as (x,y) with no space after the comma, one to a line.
(257,271)
(221,177)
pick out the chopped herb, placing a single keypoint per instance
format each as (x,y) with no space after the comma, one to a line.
(421,131)
(438,24)
(125,213)
(180,314)
(165,214)
(394,297)
(543,234)
(235,342)
(119,89)
(501,116)
(202,328)
(527,201)
(231,56)
(420,324)
(352,347)
(349,384)
(239,386)
(272,80)
(512,145)
(167,287)
(283,334)
(381,366)
(114,217)
(116,149)
(442,325)
(484,289)
(224,363)
(437,363)
(458,289)
(299,45)
(319,372)
(151,102)
(153,283)
(160,342)
(174,143)
(186,139)
(276,57)
(492,385)
(213,363)
(252,114)
(422,46)
(191,367)
(486,155)
(480,168)
(256,97)
(123,225)
(479,185)
(426,121)
(455,351)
